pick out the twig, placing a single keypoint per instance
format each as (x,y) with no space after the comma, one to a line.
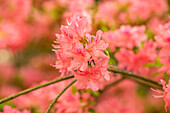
(55,100)
(126,74)
(136,77)
(34,88)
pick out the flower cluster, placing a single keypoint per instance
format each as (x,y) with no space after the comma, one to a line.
(81,54)
(166,94)
(163,40)
(126,36)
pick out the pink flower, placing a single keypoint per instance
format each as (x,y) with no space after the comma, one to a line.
(80,8)
(9,9)
(13,35)
(73,103)
(164,54)
(107,10)
(166,94)
(127,59)
(82,54)
(138,10)
(126,36)
(8,109)
(81,57)
(163,35)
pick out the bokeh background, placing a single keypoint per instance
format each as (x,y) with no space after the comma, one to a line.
(27,33)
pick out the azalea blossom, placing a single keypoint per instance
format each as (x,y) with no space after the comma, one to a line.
(81,54)
(126,36)
(166,93)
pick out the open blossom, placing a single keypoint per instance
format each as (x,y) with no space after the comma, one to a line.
(74,103)
(8,109)
(142,10)
(80,8)
(166,94)
(164,54)
(126,36)
(163,35)
(106,11)
(163,40)
(135,62)
(81,54)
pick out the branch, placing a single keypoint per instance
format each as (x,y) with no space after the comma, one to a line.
(55,100)
(34,88)
(136,77)
(124,73)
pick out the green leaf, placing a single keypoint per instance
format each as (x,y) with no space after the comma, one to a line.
(156,64)
(93,103)
(106,52)
(94,93)
(74,89)
(91,110)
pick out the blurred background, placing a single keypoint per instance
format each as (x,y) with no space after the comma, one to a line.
(27,32)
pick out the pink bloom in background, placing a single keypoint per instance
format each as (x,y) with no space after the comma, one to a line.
(143,10)
(81,54)
(163,40)
(74,103)
(17,10)
(126,36)
(106,11)
(13,35)
(125,58)
(68,102)
(154,24)
(166,94)
(8,109)
(165,60)
(135,62)
(118,96)
(163,35)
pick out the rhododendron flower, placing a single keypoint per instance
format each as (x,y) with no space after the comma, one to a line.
(142,10)
(74,103)
(106,11)
(164,54)
(8,109)
(163,35)
(136,61)
(81,54)
(126,36)
(166,93)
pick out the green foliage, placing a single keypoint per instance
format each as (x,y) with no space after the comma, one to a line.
(93,93)
(7,103)
(91,110)
(74,89)
(154,64)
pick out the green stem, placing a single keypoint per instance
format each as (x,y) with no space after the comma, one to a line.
(136,77)
(34,88)
(124,73)
(55,100)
